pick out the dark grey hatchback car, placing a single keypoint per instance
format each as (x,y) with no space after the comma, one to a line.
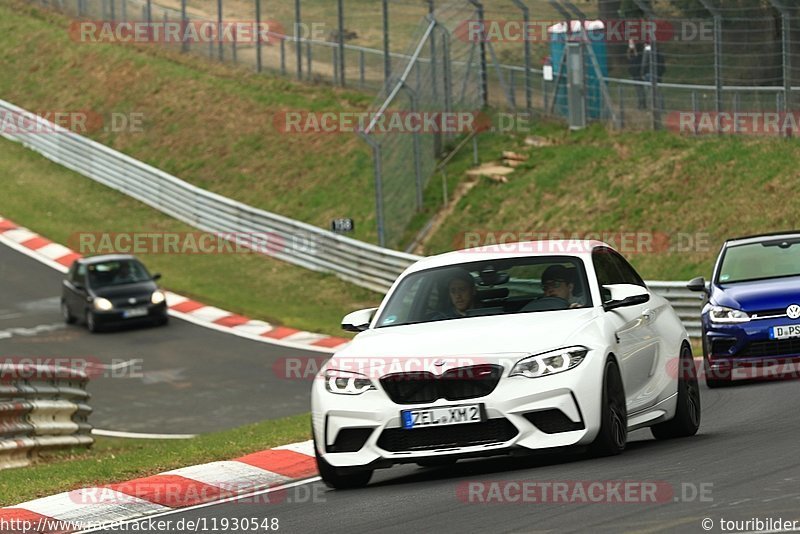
(112,290)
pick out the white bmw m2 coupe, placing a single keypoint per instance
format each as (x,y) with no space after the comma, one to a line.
(500,350)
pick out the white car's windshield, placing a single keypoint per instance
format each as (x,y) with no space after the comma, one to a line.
(757,261)
(495,287)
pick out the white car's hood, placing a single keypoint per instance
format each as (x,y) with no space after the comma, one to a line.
(525,333)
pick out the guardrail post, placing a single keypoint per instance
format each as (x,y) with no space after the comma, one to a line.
(258,38)
(297,39)
(340,20)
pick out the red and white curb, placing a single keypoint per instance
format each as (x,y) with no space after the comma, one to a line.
(89,508)
(60,257)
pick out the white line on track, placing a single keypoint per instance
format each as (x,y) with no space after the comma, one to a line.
(199,506)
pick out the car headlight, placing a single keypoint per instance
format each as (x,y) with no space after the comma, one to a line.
(721,314)
(102,304)
(347,382)
(549,363)
(158,297)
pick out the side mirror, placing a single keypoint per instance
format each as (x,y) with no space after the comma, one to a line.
(625,295)
(358,321)
(697,284)
(156,276)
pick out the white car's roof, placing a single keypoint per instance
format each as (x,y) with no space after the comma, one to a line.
(561,247)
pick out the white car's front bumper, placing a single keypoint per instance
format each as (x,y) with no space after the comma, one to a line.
(577,393)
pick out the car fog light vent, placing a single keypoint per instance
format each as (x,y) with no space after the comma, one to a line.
(553,421)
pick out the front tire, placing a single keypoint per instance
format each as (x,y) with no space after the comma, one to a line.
(66,314)
(91,323)
(687,416)
(613,435)
(341,477)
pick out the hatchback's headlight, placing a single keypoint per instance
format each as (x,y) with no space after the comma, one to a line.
(347,382)
(721,314)
(102,304)
(549,363)
(158,297)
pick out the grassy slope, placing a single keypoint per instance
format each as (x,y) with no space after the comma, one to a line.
(597,180)
(42,195)
(207,123)
(117,460)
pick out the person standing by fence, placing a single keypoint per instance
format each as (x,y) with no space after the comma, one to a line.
(634,56)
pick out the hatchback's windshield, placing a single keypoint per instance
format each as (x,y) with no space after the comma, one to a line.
(496,287)
(118,272)
(770,259)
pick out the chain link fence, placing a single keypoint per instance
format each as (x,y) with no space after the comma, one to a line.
(684,65)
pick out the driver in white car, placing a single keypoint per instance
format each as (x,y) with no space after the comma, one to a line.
(558,282)
(462,293)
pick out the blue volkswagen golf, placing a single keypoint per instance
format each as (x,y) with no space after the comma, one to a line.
(751,314)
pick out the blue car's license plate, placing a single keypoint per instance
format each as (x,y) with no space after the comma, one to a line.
(784,331)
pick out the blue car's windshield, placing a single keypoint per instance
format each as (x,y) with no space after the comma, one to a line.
(496,287)
(758,261)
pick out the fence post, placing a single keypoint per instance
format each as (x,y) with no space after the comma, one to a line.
(283,55)
(149,8)
(416,146)
(387,59)
(124,10)
(340,20)
(184,43)
(308,60)
(437,136)
(361,74)
(335,64)
(297,39)
(258,37)
(233,43)
(221,50)
(621,99)
(377,165)
(113,11)
(483,73)
(527,55)
(786,48)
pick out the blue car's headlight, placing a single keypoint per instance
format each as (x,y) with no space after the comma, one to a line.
(722,314)
(347,382)
(549,363)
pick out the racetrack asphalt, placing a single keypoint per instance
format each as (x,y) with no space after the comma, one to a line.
(742,465)
(178,379)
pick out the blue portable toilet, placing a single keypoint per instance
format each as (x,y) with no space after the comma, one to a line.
(559,36)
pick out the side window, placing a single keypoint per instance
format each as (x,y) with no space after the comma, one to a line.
(628,274)
(79,276)
(607,271)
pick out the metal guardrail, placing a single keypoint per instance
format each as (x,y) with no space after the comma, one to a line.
(307,246)
(41,408)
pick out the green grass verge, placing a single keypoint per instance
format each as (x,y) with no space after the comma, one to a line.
(118,460)
(56,203)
